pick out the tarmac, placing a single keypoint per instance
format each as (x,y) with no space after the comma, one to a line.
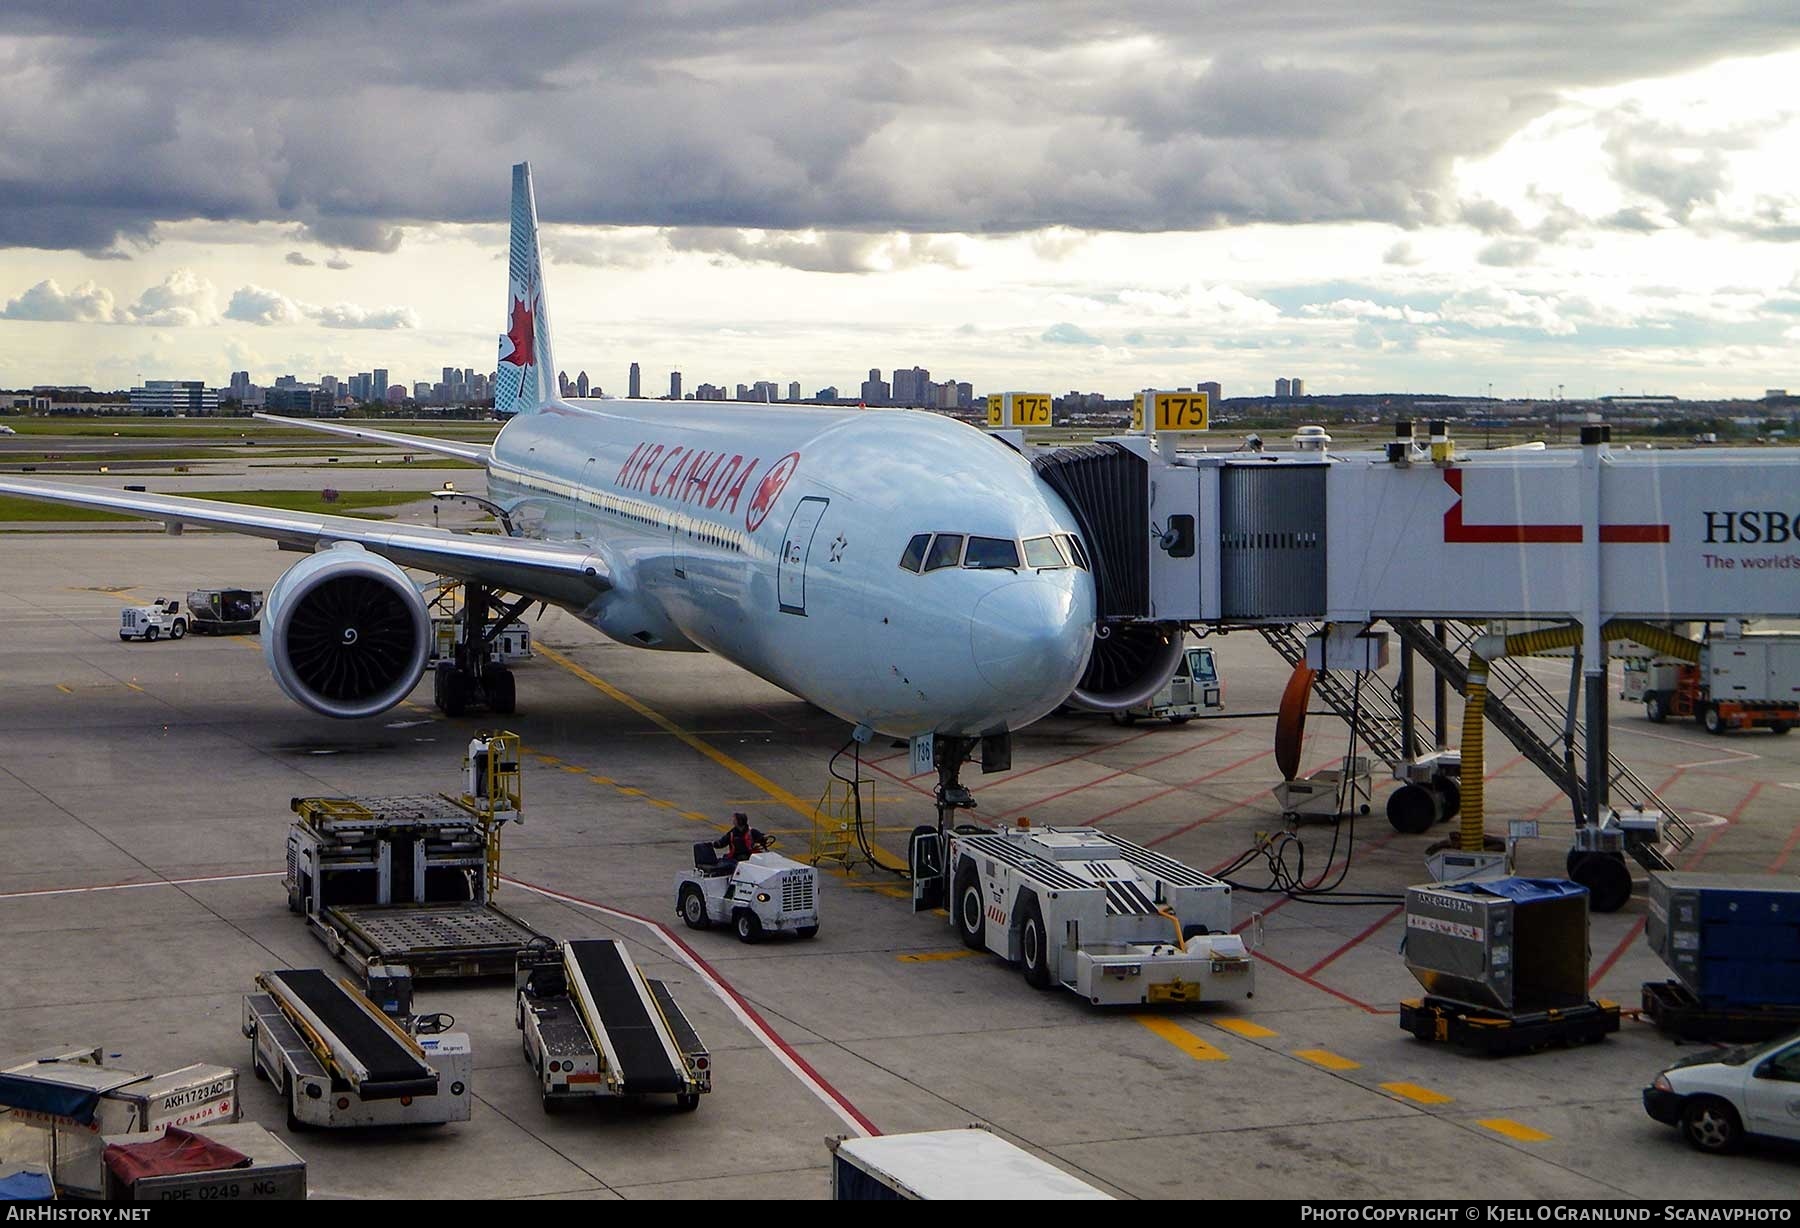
(140,893)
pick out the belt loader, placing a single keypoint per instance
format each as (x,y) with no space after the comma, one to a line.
(594,1025)
(1113,921)
(339,1061)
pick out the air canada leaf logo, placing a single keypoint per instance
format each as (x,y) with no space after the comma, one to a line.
(520,334)
(769,490)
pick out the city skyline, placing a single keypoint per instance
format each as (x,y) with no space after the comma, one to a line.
(1127,200)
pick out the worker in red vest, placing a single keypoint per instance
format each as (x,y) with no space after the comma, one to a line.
(742,840)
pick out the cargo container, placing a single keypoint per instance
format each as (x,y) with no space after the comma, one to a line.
(1511,945)
(1733,940)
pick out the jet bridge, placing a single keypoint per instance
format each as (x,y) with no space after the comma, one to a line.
(1607,546)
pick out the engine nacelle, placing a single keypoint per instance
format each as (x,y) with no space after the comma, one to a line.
(1131,662)
(346,633)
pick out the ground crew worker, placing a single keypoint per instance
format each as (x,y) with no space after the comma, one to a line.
(742,840)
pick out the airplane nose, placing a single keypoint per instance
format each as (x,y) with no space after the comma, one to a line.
(1025,640)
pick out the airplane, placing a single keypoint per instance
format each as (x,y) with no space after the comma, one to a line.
(902,570)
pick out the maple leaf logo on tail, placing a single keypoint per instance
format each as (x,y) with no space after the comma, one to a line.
(520,335)
(525,345)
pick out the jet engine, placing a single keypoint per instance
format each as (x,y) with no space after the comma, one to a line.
(346,633)
(1131,662)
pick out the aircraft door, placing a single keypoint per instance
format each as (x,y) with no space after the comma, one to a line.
(790,576)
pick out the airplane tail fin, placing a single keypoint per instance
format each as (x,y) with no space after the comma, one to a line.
(525,379)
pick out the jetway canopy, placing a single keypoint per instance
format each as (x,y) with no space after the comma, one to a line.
(1672,535)
(1559,533)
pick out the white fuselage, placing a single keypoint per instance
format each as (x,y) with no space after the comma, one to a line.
(774,537)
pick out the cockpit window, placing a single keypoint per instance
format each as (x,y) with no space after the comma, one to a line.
(1077,555)
(1042,552)
(991,552)
(914,557)
(946,551)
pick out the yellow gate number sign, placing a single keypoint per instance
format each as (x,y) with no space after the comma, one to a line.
(1137,412)
(1181,411)
(994,402)
(1031,409)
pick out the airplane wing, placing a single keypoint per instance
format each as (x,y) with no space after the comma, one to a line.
(477,452)
(565,575)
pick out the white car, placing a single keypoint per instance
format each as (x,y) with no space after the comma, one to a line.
(765,893)
(7,430)
(1719,1097)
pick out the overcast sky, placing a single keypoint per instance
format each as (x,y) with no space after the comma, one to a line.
(1424,195)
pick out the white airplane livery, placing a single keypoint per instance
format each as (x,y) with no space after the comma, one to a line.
(902,570)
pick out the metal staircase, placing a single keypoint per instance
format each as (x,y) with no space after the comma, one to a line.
(1537,721)
(1541,725)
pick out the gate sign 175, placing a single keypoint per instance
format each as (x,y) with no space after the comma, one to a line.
(1182,411)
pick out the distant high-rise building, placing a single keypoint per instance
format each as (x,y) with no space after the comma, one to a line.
(875,390)
(794,391)
(1298,387)
(395,394)
(827,393)
(912,387)
(328,383)
(743,392)
(421,391)
(582,387)
(167,398)
(965,395)
(709,392)
(674,385)
(1214,393)
(562,383)
(637,387)
(240,384)
(378,388)
(286,381)
(1281,388)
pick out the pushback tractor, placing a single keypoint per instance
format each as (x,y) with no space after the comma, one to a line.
(594,1025)
(1117,923)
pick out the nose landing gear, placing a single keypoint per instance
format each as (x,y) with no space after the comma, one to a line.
(928,844)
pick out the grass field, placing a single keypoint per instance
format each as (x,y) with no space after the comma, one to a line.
(348,503)
(234,428)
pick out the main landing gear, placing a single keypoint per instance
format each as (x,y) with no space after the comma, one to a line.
(470,678)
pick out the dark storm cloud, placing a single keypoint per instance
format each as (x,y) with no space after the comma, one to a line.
(355,121)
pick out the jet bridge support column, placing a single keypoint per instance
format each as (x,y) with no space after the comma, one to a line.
(1593,640)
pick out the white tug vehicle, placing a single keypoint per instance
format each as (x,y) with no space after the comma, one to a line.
(162,617)
(764,893)
(1113,921)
